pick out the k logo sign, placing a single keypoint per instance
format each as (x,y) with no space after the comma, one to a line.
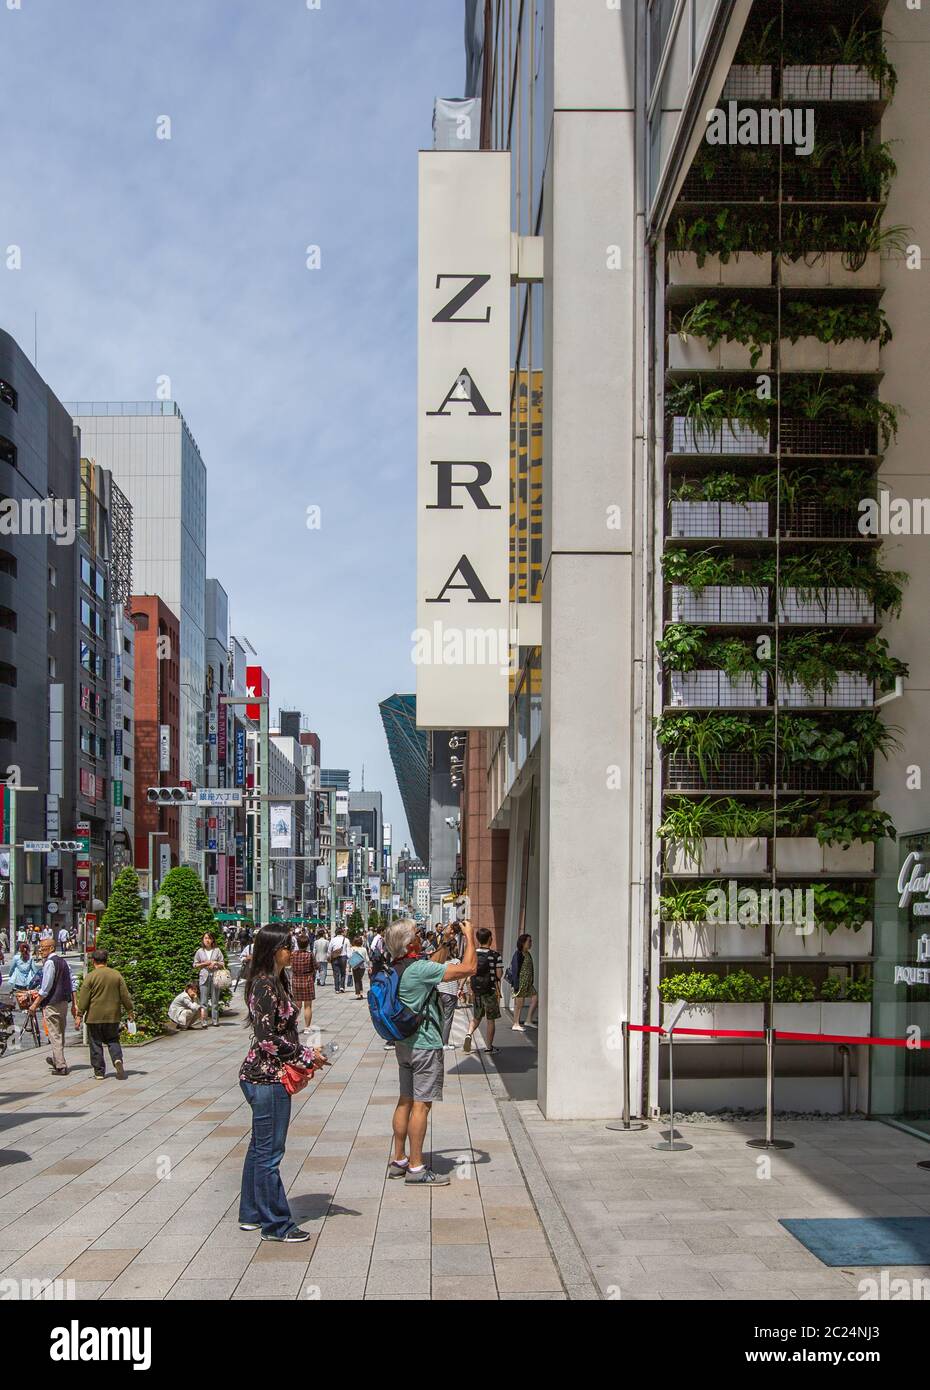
(463,440)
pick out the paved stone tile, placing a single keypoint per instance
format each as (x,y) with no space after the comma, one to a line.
(458,1289)
(399,1276)
(96,1265)
(458,1230)
(526,1275)
(462,1259)
(201,1290)
(145,1281)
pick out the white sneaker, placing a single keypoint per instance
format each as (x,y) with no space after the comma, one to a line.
(517,1028)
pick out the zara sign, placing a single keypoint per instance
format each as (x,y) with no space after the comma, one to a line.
(461,647)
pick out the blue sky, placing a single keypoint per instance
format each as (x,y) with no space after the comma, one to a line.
(187,258)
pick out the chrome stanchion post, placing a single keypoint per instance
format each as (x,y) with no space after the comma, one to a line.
(625,1127)
(672,1145)
(769,1142)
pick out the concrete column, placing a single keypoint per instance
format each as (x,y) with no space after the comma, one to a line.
(591,585)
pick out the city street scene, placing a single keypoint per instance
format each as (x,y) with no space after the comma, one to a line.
(464,691)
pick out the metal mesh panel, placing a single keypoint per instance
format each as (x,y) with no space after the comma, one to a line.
(805,778)
(813,519)
(748,84)
(715,688)
(730,438)
(839,82)
(849,607)
(750,184)
(736,772)
(743,605)
(739,519)
(820,437)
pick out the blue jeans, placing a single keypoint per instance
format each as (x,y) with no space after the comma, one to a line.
(339,973)
(263,1201)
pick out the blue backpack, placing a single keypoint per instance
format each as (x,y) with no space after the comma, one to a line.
(390,1017)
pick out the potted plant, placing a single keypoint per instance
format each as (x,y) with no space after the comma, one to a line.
(850,1016)
(734,421)
(722,247)
(841,337)
(795,1004)
(686,933)
(705,589)
(721,335)
(714,836)
(721,504)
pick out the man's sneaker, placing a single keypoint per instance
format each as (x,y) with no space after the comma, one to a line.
(466,1045)
(294,1236)
(427,1176)
(119,1069)
(100,1076)
(517,1028)
(397,1170)
(51,1061)
(249,1226)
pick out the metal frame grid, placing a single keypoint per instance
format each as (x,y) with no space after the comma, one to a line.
(730,438)
(798,436)
(735,772)
(812,519)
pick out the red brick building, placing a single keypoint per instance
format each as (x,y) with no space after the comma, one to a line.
(157,707)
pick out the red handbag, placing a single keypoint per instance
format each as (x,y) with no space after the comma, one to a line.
(294,1079)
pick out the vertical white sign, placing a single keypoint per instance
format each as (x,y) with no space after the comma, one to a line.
(461,646)
(164,747)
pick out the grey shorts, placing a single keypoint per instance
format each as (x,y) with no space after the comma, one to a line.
(421,1072)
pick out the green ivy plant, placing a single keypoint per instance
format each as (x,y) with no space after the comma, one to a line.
(837,907)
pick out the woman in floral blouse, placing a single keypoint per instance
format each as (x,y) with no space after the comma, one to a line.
(273,1017)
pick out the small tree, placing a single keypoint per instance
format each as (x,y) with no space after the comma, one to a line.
(180,915)
(127,938)
(355,924)
(374,920)
(122,923)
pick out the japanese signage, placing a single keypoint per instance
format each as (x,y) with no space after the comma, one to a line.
(164,748)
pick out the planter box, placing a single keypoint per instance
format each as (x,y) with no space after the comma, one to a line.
(730,437)
(733,942)
(688,688)
(696,354)
(719,519)
(797,1018)
(868,276)
(743,1016)
(798,854)
(848,691)
(844,606)
(811,355)
(845,1017)
(695,1016)
(719,603)
(687,940)
(857,858)
(742,855)
(846,944)
(793,939)
(743,269)
(746,83)
(734,772)
(838,82)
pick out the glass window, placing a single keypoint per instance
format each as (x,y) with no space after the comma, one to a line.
(86,612)
(86,572)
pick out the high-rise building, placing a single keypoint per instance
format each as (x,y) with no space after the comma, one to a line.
(154,458)
(337,777)
(407,746)
(157,734)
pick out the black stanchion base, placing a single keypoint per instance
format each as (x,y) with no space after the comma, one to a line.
(620,1128)
(672,1146)
(769,1144)
(924,1162)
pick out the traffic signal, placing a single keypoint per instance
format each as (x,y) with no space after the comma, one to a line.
(69,846)
(169,796)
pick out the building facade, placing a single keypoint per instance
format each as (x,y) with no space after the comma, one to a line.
(700,486)
(157,735)
(154,458)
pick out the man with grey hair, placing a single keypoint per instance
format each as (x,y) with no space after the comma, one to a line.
(420,1057)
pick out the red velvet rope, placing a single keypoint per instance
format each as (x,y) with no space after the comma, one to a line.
(780,1036)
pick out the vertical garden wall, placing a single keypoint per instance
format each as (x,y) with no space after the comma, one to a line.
(775,590)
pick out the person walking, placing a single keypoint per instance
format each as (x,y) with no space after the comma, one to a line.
(183,1009)
(24,972)
(101,1002)
(54,997)
(420,1057)
(486,991)
(245,955)
(321,956)
(359,962)
(522,979)
(209,958)
(302,973)
(448,990)
(275,1045)
(338,951)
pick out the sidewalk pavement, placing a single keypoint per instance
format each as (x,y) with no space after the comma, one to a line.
(130,1189)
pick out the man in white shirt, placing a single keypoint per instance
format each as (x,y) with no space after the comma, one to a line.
(338,955)
(62,938)
(321,956)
